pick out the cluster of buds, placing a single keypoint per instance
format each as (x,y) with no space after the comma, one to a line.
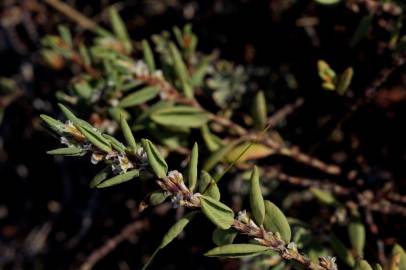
(181,195)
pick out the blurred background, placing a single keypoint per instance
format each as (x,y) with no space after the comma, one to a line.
(50,219)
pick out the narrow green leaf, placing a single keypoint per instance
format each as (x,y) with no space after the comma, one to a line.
(218,213)
(67,151)
(328,2)
(324,196)
(148,56)
(208,187)
(100,177)
(176,229)
(212,142)
(256,199)
(356,232)
(128,135)
(95,138)
(345,81)
(183,116)
(118,179)
(181,70)
(342,251)
(119,29)
(53,124)
(118,146)
(192,172)
(156,161)
(275,221)
(223,237)
(68,114)
(237,250)
(139,97)
(260,110)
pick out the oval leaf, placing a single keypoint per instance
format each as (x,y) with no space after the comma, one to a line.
(256,199)
(67,151)
(223,237)
(275,221)
(218,213)
(156,161)
(208,187)
(139,97)
(176,229)
(183,116)
(192,172)
(356,232)
(237,250)
(128,135)
(118,179)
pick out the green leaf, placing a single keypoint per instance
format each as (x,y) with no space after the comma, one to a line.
(119,29)
(183,116)
(176,229)
(53,124)
(192,172)
(256,199)
(148,56)
(208,187)
(397,249)
(378,267)
(217,156)
(118,179)
(68,151)
(181,70)
(275,221)
(356,232)
(128,135)
(83,89)
(139,97)
(156,161)
(324,196)
(363,265)
(212,142)
(223,237)
(259,110)
(218,213)
(341,250)
(345,81)
(237,250)
(118,146)
(100,177)
(158,197)
(68,114)
(95,138)
(328,2)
